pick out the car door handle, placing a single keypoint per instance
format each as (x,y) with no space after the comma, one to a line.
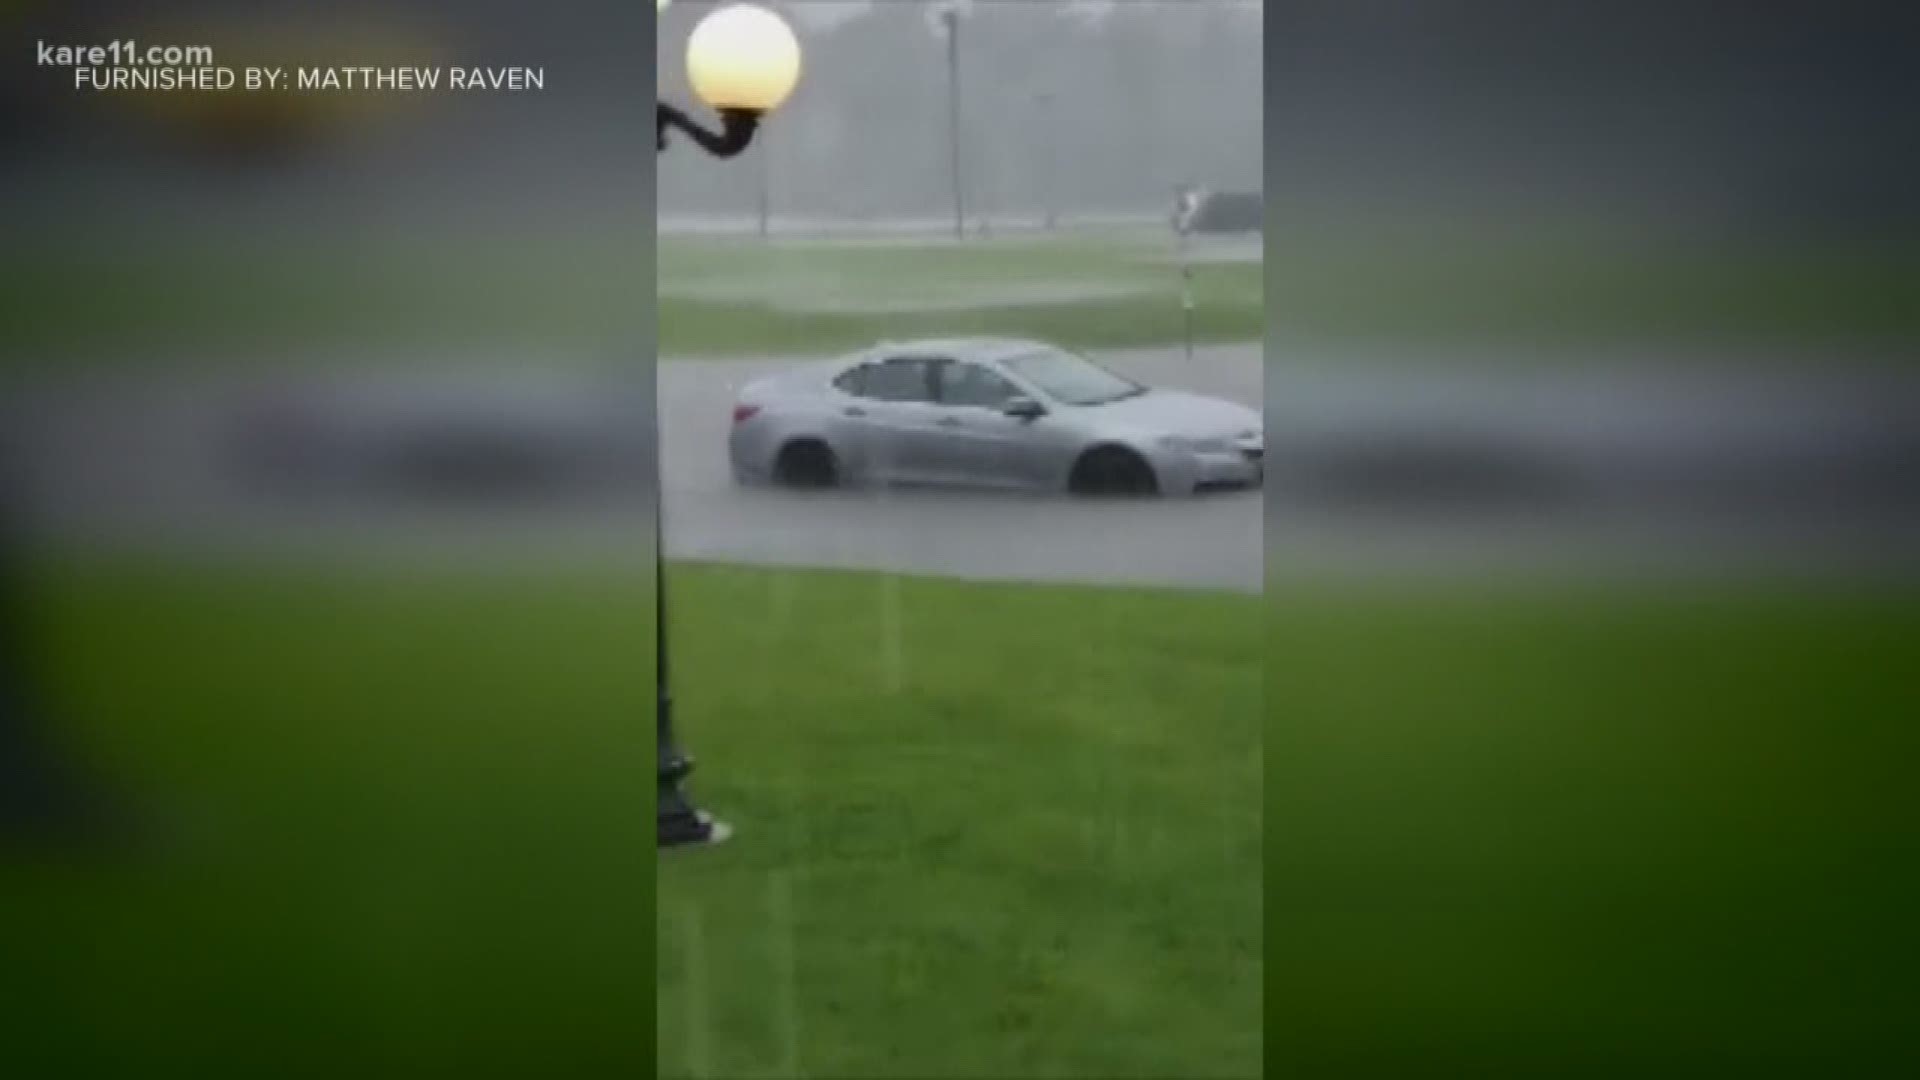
(854,410)
(948,421)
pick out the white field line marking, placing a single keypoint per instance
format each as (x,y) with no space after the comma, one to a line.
(699,1023)
(892,652)
(786,984)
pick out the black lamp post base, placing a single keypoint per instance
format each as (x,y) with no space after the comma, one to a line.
(677,823)
(680,825)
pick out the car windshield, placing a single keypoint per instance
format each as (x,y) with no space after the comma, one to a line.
(1071,379)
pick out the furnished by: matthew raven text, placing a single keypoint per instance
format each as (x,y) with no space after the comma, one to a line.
(357,79)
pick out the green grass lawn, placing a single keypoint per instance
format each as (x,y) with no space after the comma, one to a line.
(563,296)
(986,830)
(1544,295)
(350,294)
(407,816)
(1607,832)
(397,824)
(378,294)
(1101,290)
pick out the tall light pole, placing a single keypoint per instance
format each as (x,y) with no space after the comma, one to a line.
(950,18)
(743,62)
(766,187)
(1043,107)
(1185,208)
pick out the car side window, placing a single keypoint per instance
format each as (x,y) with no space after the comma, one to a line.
(967,384)
(899,379)
(853,380)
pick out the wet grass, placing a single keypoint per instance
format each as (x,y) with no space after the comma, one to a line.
(403,822)
(384,297)
(985,830)
(397,822)
(1542,296)
(1590,831)
(387,295)
(1101,290)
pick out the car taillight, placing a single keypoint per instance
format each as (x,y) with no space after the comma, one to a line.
(744,413)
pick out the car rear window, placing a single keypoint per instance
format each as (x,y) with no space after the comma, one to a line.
(899,379)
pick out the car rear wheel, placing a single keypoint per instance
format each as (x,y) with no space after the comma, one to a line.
(807,464)
(1113,471)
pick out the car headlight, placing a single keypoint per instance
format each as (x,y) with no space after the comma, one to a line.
(1196,446)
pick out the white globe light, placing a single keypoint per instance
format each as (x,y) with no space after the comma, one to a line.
(743,57)
(661,5)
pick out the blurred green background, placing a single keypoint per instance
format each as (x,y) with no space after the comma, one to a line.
(401,819)
(378,821)
(1553,828)
(1539,293)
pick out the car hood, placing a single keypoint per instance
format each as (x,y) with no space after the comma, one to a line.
(1176,412)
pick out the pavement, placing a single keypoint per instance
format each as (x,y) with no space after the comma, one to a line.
(1612,465)
(895,229)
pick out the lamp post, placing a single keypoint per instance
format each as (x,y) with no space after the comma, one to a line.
(950,19)
(1186,207)
(743,62)
(1043,108)
(765,204)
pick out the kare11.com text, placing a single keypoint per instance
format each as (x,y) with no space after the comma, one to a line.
(127,65)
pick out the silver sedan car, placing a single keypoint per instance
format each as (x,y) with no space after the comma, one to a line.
(988,412)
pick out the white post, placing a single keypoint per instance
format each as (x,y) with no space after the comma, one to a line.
(1182,222)
(1186,297)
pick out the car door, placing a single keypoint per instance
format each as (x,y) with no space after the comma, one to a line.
(890,418)
(976,441)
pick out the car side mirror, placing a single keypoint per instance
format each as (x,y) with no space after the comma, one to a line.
(1023,408)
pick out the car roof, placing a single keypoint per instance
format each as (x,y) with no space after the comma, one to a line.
(959,348)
